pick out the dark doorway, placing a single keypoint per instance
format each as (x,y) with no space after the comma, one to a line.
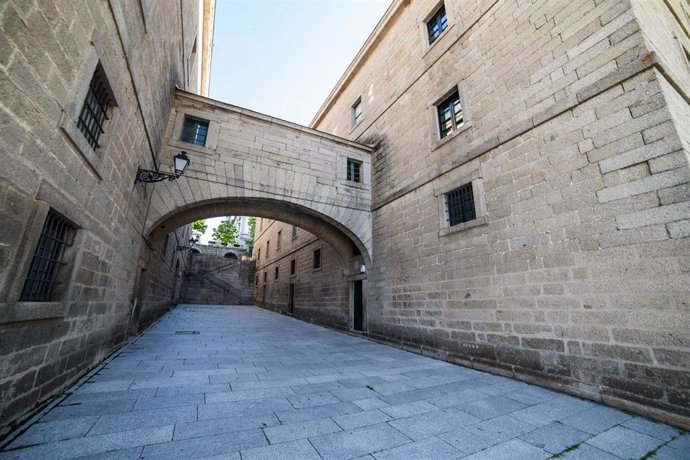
(291,298)
(358,323)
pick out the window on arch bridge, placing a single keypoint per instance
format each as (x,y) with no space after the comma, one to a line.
(194,131)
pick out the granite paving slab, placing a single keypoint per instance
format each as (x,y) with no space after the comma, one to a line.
(257,385)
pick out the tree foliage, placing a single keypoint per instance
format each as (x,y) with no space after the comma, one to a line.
(200,226)
(226,232)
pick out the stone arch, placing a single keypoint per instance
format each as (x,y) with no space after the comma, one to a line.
(353,252)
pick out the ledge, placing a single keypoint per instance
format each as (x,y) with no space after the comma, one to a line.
(31,311)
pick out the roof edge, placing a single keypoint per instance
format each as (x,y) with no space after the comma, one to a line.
(357,62)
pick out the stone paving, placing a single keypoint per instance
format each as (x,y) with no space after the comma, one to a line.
(244,383)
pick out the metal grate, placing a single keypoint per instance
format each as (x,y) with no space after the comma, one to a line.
(42,277)
(450,115)
(460,203)
(194,131)
(95,110)
(353,170)
(437,24)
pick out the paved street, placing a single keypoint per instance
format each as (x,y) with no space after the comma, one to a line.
(244,383)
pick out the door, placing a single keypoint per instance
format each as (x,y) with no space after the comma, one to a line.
(291,298)
(358,306)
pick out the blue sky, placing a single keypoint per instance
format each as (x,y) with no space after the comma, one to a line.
(283,57)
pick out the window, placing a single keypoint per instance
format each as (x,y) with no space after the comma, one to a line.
(280,236)
(48,259)
(357,112)
(353,170)
(460,205)
(194,131)
(293,266)
(268,246)
(265,276)
(316,264)
(94,113)
(294,232)
(437,24)
(450,117)
(256,281)
(258,254)
(275,276)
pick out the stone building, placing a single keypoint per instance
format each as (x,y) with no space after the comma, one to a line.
(530,201)
(502,184)
(87,90)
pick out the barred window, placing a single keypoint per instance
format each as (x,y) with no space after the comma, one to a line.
(460,205)
(437,24)
(354,168)
(450,117)
(194,131)
(94,113)
(42,277)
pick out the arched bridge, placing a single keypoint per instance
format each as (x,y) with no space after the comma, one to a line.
(252,164)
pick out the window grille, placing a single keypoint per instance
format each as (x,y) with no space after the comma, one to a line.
(94,113)
(317,259)
(450,117)
(437,24)
(42,277)
(353,170)
(194,131)
(460,205)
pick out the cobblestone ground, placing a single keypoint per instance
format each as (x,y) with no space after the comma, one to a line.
(244,383)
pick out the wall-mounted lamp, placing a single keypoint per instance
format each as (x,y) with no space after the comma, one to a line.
(180,162)
(192,242)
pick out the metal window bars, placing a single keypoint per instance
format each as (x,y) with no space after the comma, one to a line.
(42,277)
(94,113)
(460,205)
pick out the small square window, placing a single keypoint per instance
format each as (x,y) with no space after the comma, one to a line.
(97,104)
(354,169)
(357,112)
(436,24)
(450,116)
(316,263)
(460,205)
(293,266)
(48,259)
(276,273)
(194,131)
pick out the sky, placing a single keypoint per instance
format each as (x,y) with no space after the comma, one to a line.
(283,57)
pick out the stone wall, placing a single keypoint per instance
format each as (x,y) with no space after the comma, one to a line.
(320,294)
(575,273)
(217,280)
(113,281)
